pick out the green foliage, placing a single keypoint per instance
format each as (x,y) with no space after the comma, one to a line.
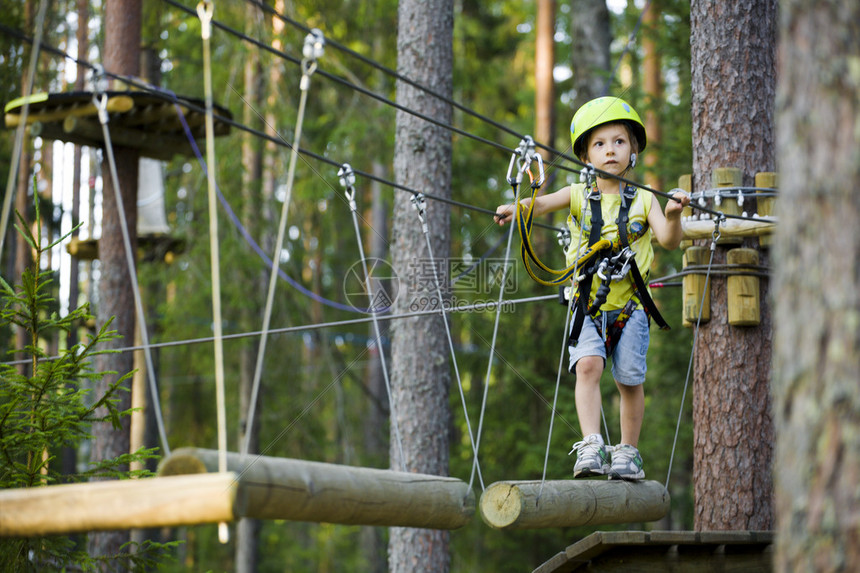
(45,405)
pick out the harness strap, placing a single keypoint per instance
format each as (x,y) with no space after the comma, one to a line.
(641,288)
(580,302)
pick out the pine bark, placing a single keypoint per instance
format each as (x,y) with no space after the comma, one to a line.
(122,56)
(248,529)
(419,356)
(734,80)
(817,268)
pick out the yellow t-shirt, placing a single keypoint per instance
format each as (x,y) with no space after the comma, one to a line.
(620,291)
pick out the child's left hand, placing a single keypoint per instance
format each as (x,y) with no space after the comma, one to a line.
(674,206)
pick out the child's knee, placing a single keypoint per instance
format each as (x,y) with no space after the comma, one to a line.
(589,368)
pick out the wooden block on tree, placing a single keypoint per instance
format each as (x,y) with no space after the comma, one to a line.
(298,490)
(118,504)
(571,503)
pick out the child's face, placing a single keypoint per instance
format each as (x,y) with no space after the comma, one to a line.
(609,148)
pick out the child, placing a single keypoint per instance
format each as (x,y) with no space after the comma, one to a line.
(607,133)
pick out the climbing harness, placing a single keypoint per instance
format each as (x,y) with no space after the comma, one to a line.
(346,177)
(313,49)
(615,263)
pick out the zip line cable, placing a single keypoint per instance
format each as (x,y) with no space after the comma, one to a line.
(205,10)
(388,71)
(101,105)
(421,207)
(347,178)
(716,237)
(480,306)
(313,50)
(279,141)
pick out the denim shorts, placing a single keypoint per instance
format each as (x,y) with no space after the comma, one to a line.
(628,359)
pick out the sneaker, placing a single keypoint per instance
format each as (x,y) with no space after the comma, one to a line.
(626,463)
(591,457)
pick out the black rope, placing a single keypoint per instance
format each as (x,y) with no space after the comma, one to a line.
(717,214)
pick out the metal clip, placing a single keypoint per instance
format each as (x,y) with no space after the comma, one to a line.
(523,157)
(346,176)
(205,9)
(622,259)
(313,49)
(716,235)
(563,235)
(421,207)
(587,175)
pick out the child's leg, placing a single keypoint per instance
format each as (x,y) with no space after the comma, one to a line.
(632,411)
(587,393)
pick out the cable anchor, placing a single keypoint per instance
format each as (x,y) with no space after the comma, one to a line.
(716,236)
(346,176)
(313,49)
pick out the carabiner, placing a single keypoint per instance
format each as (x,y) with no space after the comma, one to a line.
(346,177)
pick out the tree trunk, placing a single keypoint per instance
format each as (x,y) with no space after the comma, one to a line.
(419,357)
(652,83)
(544,84)
(817,267)
(247,529)
(121,56)
(734,79)
(375,418)
(589,49)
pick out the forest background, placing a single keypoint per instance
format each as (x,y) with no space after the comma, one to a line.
(322,398)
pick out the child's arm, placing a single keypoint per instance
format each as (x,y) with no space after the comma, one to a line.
(667,226)
(543,204)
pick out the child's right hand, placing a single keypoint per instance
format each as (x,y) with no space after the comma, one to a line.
(504,213)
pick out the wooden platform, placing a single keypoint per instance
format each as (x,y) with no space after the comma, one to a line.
(691,551)
(147,121)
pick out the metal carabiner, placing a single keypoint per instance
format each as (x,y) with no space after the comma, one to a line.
(313,49)
(346,177)
(563,236)
(622,259)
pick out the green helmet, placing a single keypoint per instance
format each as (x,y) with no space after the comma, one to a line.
(604,110)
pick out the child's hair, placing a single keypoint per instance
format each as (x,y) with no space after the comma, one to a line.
(631,134)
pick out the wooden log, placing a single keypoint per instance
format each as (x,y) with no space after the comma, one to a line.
(743,290)
(298,490)
(685,182)
(123,504)
(764,205)
(704,228)
(694,285)
(571,503)
(727,177)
